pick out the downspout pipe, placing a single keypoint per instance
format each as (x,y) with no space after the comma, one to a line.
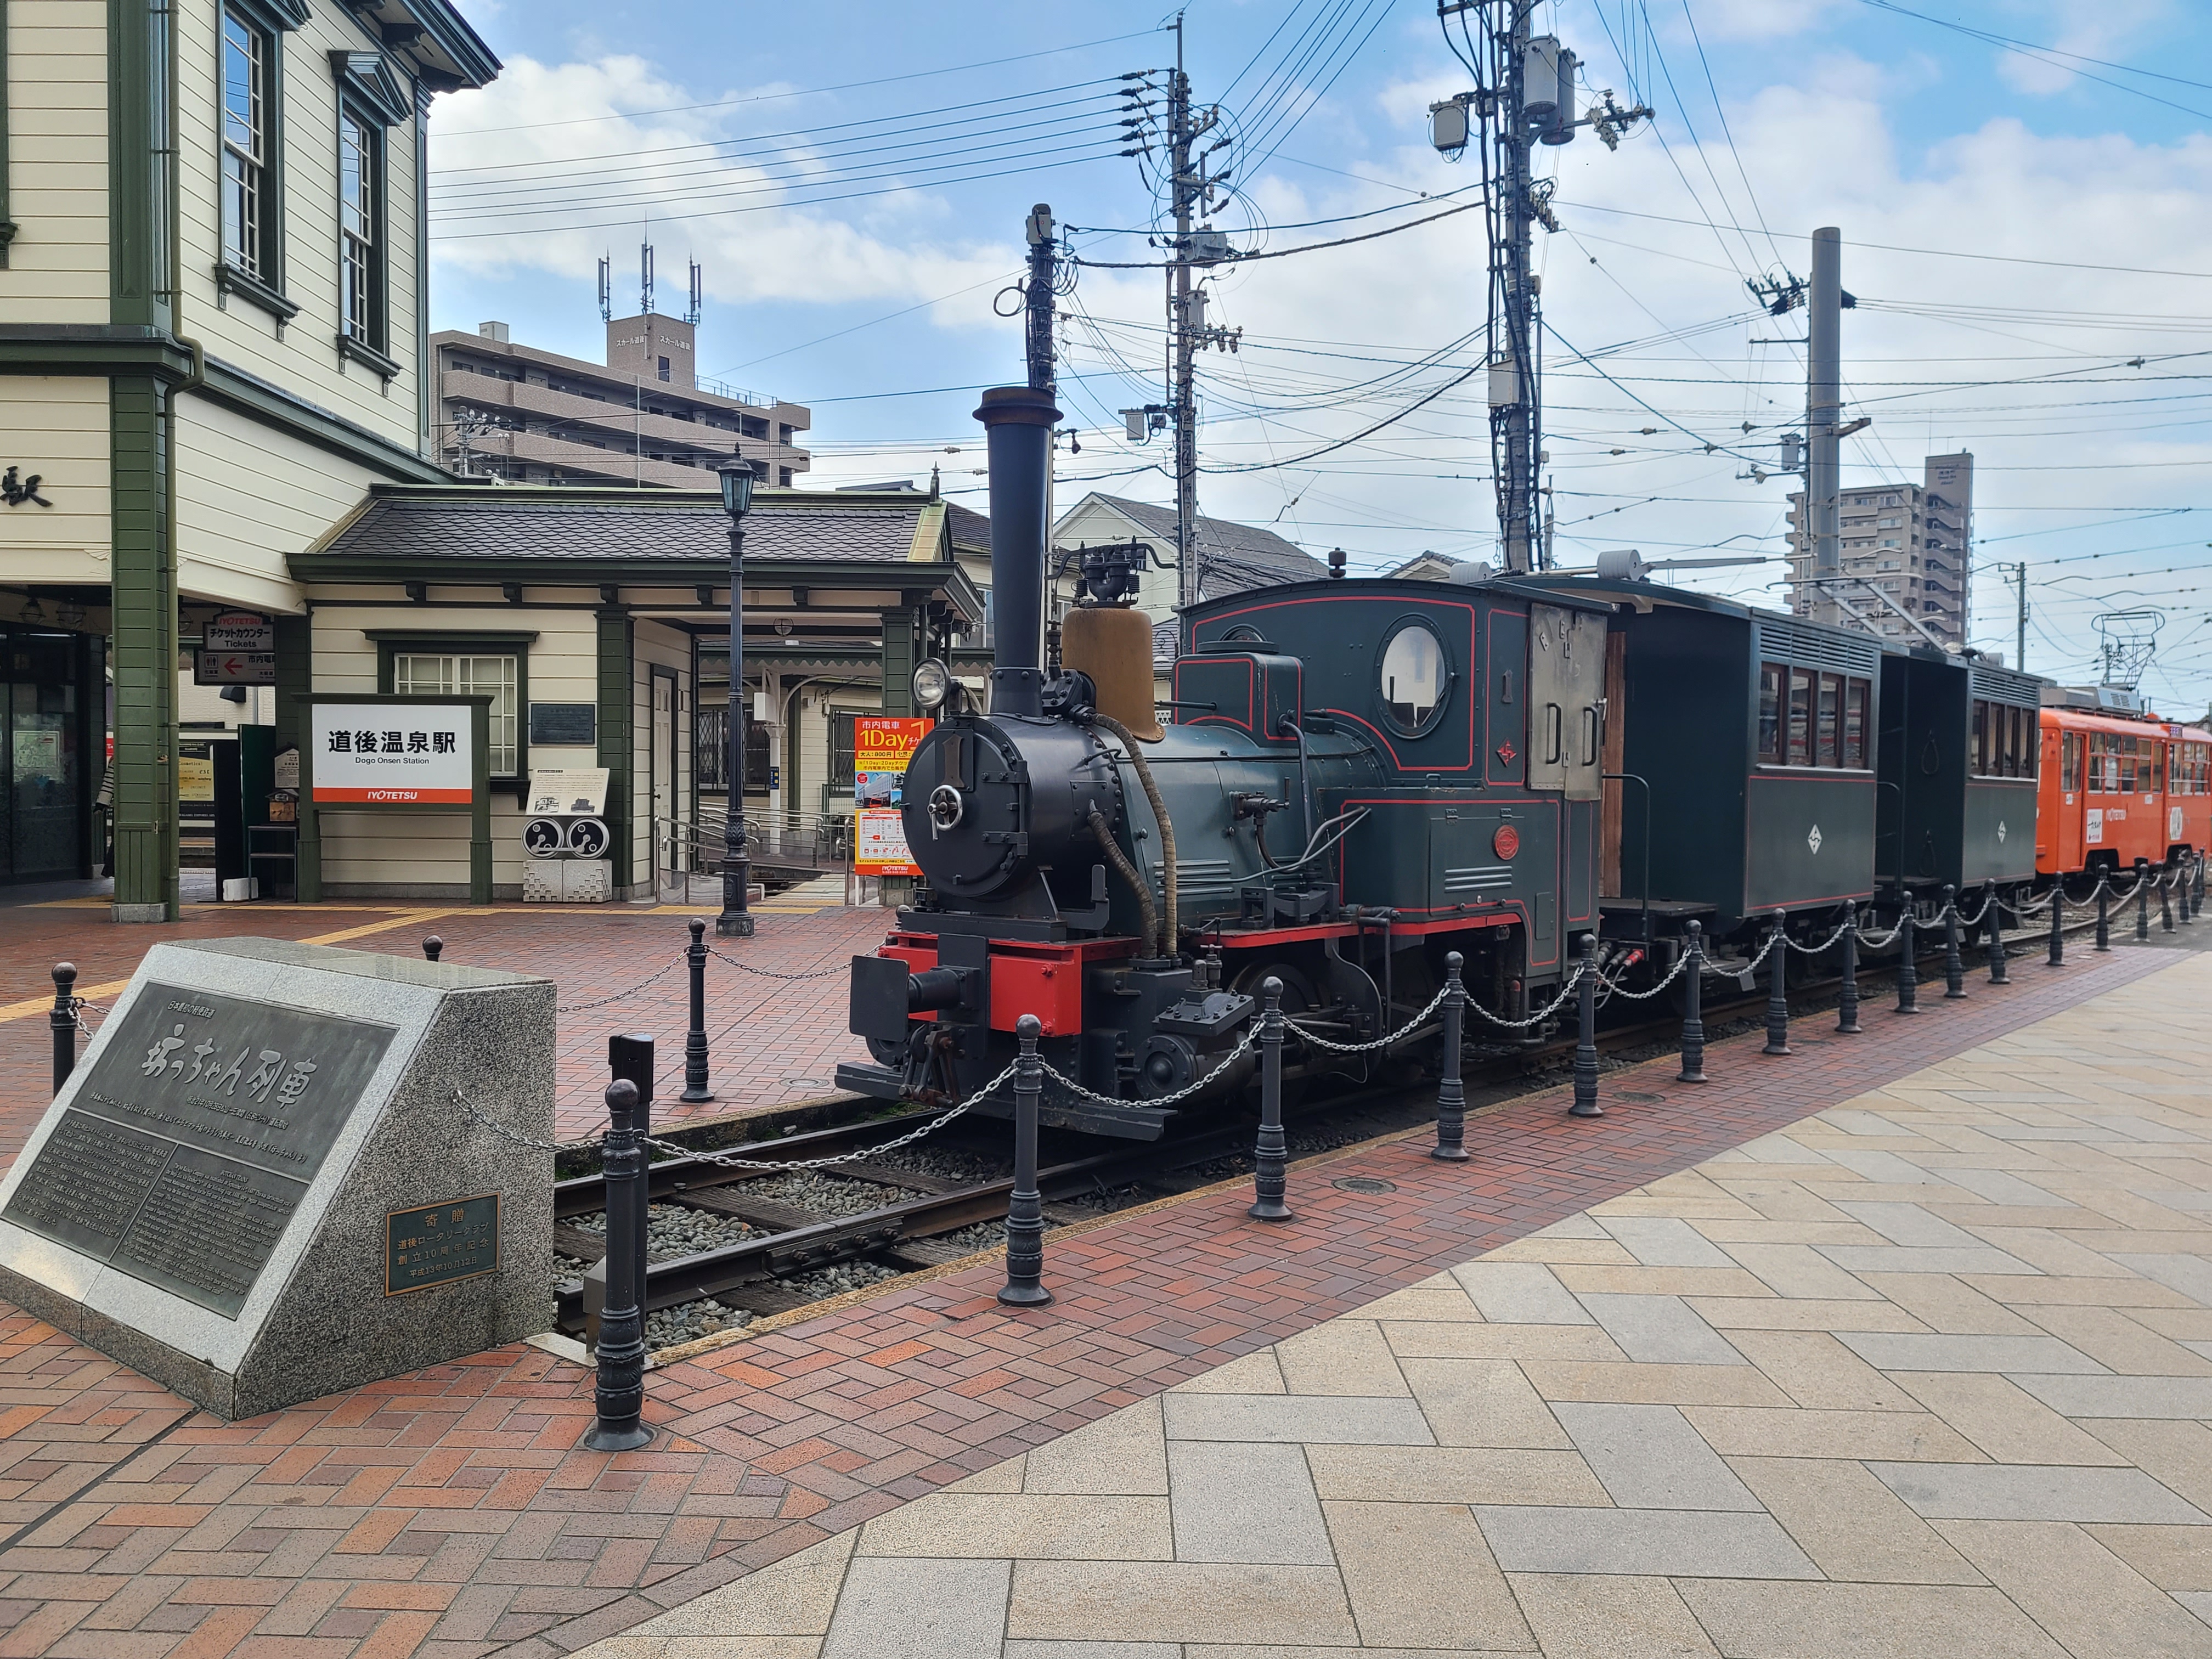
(1017,423)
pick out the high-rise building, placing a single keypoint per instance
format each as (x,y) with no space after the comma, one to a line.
(643,417)
(1909,543)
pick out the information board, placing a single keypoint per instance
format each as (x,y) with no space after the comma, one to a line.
(194,1137)
(440,1242)
(393,754)
(882,747)
(578,789)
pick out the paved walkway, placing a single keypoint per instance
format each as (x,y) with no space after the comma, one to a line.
(452,1514)
(1925,1374)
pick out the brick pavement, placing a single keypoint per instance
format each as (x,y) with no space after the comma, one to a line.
(773,1043)
(451,1513)
(1928,1373)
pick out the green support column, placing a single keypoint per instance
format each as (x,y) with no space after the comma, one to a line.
(618,704)
(144,572)
(902,655)
(295,678)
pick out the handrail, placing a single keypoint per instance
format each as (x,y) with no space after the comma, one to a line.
(1631,777)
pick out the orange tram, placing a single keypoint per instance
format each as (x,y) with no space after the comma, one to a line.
(2118,786)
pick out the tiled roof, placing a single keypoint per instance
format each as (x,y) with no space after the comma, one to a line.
(531,525)
(968,527)
(1232,556)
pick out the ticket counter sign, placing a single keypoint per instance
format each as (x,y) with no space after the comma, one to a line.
(882,747)
(393,754)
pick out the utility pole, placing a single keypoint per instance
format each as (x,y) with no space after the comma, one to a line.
(1037,294)
(1525,95)
(1823,404)
(2019,618)
(1183,184)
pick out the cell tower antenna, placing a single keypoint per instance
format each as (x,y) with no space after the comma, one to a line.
(698,294)
(644,277)
(606,287)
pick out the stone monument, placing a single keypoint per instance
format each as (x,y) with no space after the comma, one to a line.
(262,1184)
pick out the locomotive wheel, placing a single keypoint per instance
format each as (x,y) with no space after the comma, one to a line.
(1299,997)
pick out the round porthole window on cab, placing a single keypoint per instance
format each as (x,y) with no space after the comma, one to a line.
(1413,680)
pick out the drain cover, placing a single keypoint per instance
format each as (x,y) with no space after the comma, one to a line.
(1627,1095)
(1365,1184)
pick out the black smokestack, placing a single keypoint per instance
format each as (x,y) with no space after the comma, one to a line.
(1019,422)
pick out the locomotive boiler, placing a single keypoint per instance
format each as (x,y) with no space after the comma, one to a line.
(1361,775)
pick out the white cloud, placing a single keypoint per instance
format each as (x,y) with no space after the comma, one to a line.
(2109,29)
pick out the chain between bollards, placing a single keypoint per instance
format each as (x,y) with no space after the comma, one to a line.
(1955,964)
(433,947)
(1847,1009)
(1451,1091)
(1024,1287)
(1777,997)
(695,1039)
(1271,1152)
(1693,1008)
(2104,913)
(1586,1033)
(618,1393)
(1995,911)
(2057,957)
(1908,957)
(62,1019)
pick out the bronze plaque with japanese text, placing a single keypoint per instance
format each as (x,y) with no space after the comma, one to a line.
(193,1137)
(439,1244)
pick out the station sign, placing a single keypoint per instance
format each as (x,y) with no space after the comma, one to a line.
(393,754)
(238,631)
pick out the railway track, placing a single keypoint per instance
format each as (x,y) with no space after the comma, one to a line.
(789,1238)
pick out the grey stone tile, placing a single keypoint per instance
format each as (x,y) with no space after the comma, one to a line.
(2035,1492)
(1121,1454)
(2190,1274)
(2137,1127)
(1024,1649)
(995,1526)
(1900,1350)
(1663,1543)
(1482,1402)
(2122,1397)
(792,1597)
(1799,1271)
(2172,1558)
(1855,1123)
(1918,1259)
(1179,1601)
(2081,1593)
(2002,1187)
(1234,1501)
(1340,1357)
(919,1609)
(1865,1621)
(1420,1575)
(1519,1293)
(1648,1457)
(1453,1474)
(1852,1525)
(1577,1616)
(1310,1420)
(1887,1167)
(1660,1330)
(1907,1223)
(1660,1241)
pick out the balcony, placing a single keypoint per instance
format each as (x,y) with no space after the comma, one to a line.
(543,406)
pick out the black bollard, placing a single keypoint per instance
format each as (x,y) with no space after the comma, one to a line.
(695,1040)
(1270,1152)
(2181,893)
(2058,924)
(1693,1008)
(432,947)
(1024,1287)
(2104,914)
(1777,998)
(630,1057)
(2166,900)
(1954,965)
(1847,1010)
(1451,1092)
(1586,1033)
(2142,901)
(64,1021)
(2200,882)
(618,1393)
(1908,958)
(1993,912)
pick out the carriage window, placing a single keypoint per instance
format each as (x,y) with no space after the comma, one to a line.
(1801,717)
(1979,747)
(1413,677)
(2031,741)
(1858,696)
(2127,747)
(2069,761)
(1770,712)
(1830,752)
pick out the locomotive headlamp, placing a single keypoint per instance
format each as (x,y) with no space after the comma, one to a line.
(932,683)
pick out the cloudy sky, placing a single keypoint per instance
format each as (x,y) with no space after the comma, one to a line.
(2024,189)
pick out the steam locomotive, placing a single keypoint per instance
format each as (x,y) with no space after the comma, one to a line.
(1366,774)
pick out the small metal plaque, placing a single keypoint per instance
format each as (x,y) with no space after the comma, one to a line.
(564,725)
(193,1138)
(438,1243)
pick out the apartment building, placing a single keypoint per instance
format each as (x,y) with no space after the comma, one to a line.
(643,417)
(1911,544)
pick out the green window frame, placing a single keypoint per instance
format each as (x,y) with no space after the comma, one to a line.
(460,665)
(372,100)
(249,119)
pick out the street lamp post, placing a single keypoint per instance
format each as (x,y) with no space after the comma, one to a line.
(736,921)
